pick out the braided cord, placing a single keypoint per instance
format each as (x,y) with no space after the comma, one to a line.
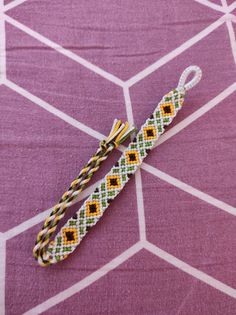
(118,134)
(71,234)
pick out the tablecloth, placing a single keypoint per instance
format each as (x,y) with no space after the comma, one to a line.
(167,244)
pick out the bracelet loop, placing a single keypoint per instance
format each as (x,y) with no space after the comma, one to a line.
(189,85)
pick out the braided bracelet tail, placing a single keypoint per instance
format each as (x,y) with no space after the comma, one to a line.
(118,134)
(71,234)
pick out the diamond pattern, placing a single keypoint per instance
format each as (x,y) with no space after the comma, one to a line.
(149,45)
(93,208)
(70,236)
(205,167)
(145,92)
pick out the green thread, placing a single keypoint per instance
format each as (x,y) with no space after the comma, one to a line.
(96,204)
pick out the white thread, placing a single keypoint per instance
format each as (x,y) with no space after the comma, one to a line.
(195,0)
(195,80)
(197,114)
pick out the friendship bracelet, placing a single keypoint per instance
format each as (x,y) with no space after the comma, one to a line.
(71,234)
(118,134)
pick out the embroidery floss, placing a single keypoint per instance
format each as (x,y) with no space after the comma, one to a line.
(118,134)
(71,234)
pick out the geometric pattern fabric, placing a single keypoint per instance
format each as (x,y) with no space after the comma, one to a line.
(70,236)
(18,291)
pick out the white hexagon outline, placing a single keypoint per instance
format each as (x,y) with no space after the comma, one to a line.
(226,18)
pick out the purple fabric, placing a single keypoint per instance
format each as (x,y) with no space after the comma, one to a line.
(41,154)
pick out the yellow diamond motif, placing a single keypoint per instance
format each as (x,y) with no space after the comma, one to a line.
(167,109)
(149,133)
(113,181)
(132,157)
(92,208)
(70,236)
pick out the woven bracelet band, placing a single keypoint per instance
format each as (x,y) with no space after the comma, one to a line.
(118,134)
(71,234)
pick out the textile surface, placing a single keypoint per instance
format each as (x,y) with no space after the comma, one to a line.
(68,68)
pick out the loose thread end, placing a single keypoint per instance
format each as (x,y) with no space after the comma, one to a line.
(119,132)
